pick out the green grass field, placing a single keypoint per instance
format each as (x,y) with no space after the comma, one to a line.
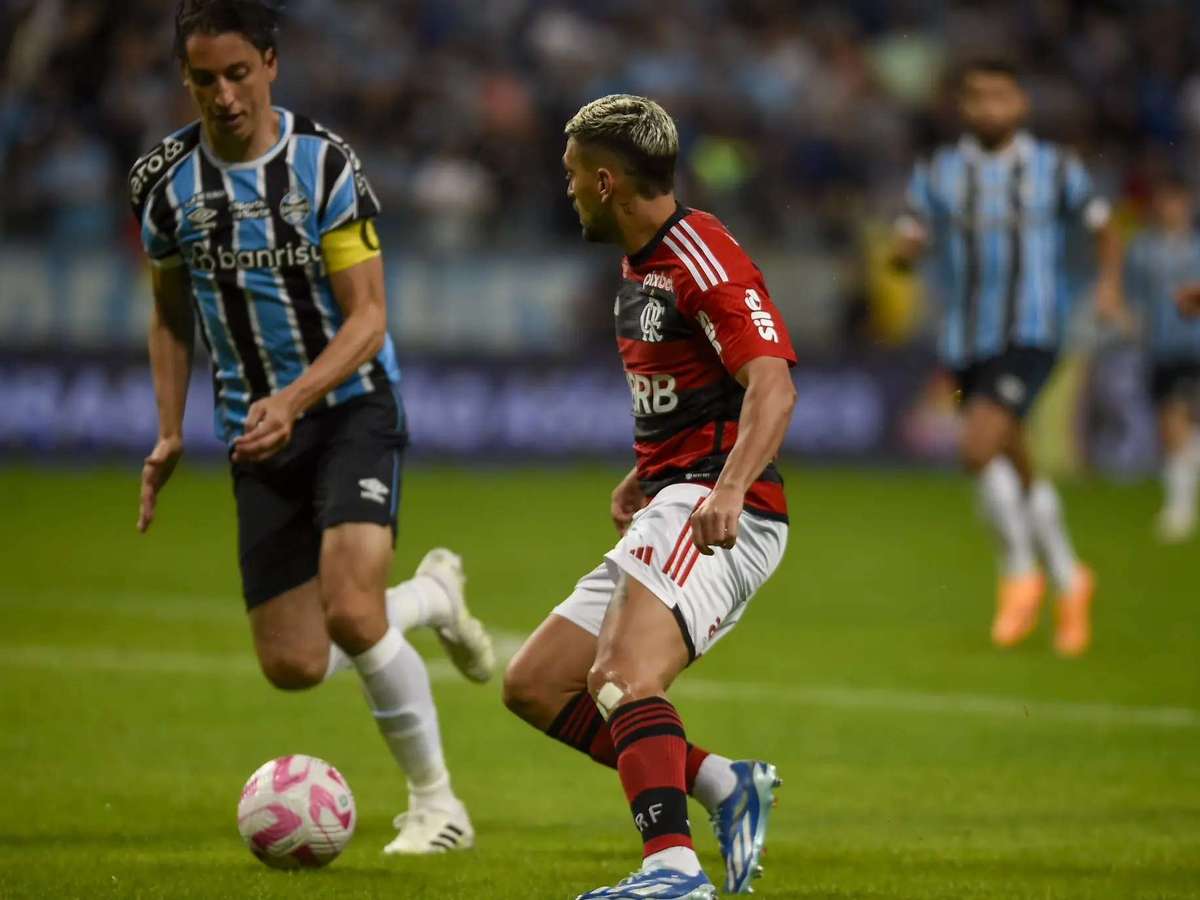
(918,761)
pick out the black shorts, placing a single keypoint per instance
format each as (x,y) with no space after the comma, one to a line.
(1175,381)
(342,465)
(1013,379)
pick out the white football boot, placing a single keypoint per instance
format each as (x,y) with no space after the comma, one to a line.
(465,640)
(427,830)
(1175,524)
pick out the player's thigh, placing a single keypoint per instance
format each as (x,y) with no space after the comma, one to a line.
(357,497)
(702,597)
(290,637)
(641,648)
(550,668)
(355,560)
(988,430)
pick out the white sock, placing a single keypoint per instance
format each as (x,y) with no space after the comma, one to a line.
(1000,496)
(1045,516)
(715,781)
(339,661)
(681,859)
(420,601)
(397,687)
(1180,477)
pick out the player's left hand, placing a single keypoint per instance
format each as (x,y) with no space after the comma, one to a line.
(715,522)
(269,424)
(1187,298)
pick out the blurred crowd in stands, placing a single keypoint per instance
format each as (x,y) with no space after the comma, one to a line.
(799,121)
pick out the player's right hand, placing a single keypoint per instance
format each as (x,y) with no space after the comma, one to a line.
(156,469)
(627,499)
(1188,299)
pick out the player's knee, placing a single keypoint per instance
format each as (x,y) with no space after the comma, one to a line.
(521,692)
(355,626)
(612,684)
(976,452)
(292,671)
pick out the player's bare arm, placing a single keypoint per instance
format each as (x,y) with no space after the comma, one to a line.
(1109,253)
(766,410)
(359,291)
(627,498)
(170,344)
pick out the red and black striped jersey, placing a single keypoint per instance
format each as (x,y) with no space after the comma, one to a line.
(693,309)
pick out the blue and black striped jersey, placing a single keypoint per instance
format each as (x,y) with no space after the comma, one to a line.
(997,224)
(250,234)
(1156,266)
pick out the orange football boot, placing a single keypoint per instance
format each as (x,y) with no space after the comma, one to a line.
(1074,631)
(1019,599)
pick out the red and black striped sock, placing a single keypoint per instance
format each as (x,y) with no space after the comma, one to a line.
(652,756)
(579,725)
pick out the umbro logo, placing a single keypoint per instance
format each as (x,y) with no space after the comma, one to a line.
(1011,389)
(202,217)
(374,489)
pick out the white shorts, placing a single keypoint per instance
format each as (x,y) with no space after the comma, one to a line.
(707,594)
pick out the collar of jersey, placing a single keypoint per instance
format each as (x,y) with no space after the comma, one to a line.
(285,132)
(1019,148)
(637,259)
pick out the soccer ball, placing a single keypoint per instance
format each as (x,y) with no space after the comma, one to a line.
(296,812)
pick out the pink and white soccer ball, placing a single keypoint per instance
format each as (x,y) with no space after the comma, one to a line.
(296,812)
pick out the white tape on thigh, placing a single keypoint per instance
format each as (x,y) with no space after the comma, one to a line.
(608,698)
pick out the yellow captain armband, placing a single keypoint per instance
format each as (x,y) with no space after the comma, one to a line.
(349,245)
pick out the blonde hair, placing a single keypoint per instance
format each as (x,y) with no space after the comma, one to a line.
(636,128)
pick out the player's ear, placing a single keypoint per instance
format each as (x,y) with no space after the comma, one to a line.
(604,183)
(271,62)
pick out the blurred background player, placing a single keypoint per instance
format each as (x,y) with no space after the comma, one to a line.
(707,359)
(265,221)
(1161,261)
(994,209)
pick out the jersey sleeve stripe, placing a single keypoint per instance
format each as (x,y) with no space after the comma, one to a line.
(332,179)
(686,260)
(696,257)
(343,210)
(320,191)
(703,246)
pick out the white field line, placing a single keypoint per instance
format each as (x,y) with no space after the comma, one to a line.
(108,659)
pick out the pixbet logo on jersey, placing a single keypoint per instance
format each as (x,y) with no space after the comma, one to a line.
(206,258)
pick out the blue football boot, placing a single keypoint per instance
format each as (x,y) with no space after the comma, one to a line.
(740,823)
(659,884)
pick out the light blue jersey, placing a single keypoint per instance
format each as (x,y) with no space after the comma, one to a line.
(1156,266)
(250,236)
(997,225)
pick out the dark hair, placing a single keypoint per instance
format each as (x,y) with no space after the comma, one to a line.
(256,20)
(989,65)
